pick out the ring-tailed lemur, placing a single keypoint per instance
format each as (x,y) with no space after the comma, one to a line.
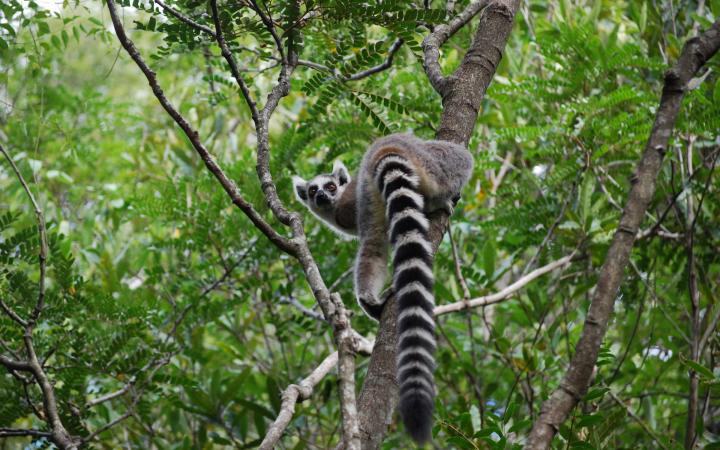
(401,179)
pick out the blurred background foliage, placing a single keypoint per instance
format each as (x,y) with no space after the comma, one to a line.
(156,283)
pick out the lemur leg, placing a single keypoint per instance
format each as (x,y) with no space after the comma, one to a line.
(371,265)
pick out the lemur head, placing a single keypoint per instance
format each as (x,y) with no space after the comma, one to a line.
(321,193)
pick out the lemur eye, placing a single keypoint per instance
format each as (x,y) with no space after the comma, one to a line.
(331,187)
(313,190)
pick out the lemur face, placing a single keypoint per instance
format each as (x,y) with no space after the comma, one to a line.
(321,193)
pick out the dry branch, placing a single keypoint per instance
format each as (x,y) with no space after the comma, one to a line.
(505,293)
(577,378)
(302,391)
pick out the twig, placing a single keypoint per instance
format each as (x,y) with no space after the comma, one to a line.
(185,19)
(302,308)
(42,256)
(267,20)
(340,279)
(302,391)
(227,54)
(107,426)
(709,330)
(112,395)
(637,419)
(690,429)
(575,383)
(9,432)
(504,294)
(13,315)
(380,67)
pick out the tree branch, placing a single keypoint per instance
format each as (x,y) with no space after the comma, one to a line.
(332,308)
(42,256)
(227,54)
(637,419)
(461,94)
(577,378)
(10,432)
(185,19)
(59,435)
(380,67)
(302,391)
(228,185)
(11,313)
(504,293)
(432,43)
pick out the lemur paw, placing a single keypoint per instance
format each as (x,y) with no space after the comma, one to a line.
(371,307)
(450,204)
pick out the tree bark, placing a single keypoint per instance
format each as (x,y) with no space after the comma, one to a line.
(575,383)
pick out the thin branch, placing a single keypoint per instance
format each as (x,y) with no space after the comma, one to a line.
(290,300)
(504,294)
(267,20)
(458,266)
(313,65)
(302,391)
(695,327)
(107,426)
(658,223)
(42,256)
(637,419)
(227,54)
(228,185)
(380,67)
(185,19)
(576,381)
(709,331)
(10,432)
(14,364)
(341,278)
(112,395)
(10,312)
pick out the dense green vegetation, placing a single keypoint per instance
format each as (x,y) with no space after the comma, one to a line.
(158,286)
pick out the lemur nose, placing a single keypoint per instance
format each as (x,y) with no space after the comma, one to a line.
(321,198)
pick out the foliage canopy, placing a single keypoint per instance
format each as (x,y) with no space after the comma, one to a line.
(156,283)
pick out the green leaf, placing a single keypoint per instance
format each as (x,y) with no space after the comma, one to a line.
(43,28)
(700,369)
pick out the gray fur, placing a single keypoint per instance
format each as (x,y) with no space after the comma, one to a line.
(444,168)
(401,179)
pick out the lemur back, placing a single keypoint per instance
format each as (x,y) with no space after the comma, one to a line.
(401,179)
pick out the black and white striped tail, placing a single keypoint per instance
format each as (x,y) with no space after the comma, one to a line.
(413,285)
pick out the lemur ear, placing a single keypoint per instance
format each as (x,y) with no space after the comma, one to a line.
(341,172)
(300,187)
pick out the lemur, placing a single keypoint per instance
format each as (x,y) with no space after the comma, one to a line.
(401,179)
